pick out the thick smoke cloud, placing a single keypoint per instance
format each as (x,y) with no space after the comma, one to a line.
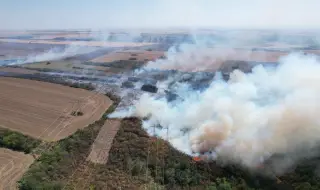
(249,120)
(209,51)
(194,58)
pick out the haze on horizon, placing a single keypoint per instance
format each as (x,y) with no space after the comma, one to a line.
(101,14)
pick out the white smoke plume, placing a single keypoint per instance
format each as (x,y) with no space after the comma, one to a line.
(246,120)
(78,47)
(58,53)
(195,58)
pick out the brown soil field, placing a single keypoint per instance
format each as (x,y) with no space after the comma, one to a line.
(80,43)
(64,35)
(43,110)
(126,55)
(64,66)
(12,167)
(102,144)
(17,70)
(223,55)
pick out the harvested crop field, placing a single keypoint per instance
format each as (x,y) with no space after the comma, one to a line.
(47,111)
(79,43)
(17,70)
(127,55)
(12,167)
(64,66)
(102,144)
(64,35)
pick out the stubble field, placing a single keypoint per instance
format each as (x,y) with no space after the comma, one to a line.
(12,166)
(44,110)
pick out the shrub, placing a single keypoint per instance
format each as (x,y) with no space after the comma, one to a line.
(77,113)
(220,184)
(54,167)
(17,141)
(138,168)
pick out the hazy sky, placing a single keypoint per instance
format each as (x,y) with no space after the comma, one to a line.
(99,14)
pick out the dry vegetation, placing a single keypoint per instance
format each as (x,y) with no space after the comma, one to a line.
(43,110)
(55,168)
(12,166)
(17,70)
(137,161)
(64,35)
(127,55)
(64,66)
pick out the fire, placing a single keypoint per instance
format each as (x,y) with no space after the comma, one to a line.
(197,158)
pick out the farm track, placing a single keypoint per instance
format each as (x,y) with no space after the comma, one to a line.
(103,142)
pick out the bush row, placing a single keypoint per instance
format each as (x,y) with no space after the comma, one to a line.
(17,141)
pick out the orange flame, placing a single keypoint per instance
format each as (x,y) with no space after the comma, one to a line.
(197,158)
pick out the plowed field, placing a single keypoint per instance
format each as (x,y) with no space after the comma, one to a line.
(44,110)
(12,166)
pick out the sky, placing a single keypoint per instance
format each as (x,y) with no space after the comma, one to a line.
(104,14)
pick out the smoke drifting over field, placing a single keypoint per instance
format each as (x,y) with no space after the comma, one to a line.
(248,120)
(194,58)
(59,53)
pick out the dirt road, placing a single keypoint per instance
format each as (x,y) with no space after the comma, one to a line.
(102,144)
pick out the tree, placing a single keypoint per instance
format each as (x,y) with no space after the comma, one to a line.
(14,141)
(303,186)
(220,184)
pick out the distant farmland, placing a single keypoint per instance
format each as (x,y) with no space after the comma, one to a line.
(47,111)
(79,43)
(129,55)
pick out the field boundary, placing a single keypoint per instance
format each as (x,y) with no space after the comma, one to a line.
(103,142)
